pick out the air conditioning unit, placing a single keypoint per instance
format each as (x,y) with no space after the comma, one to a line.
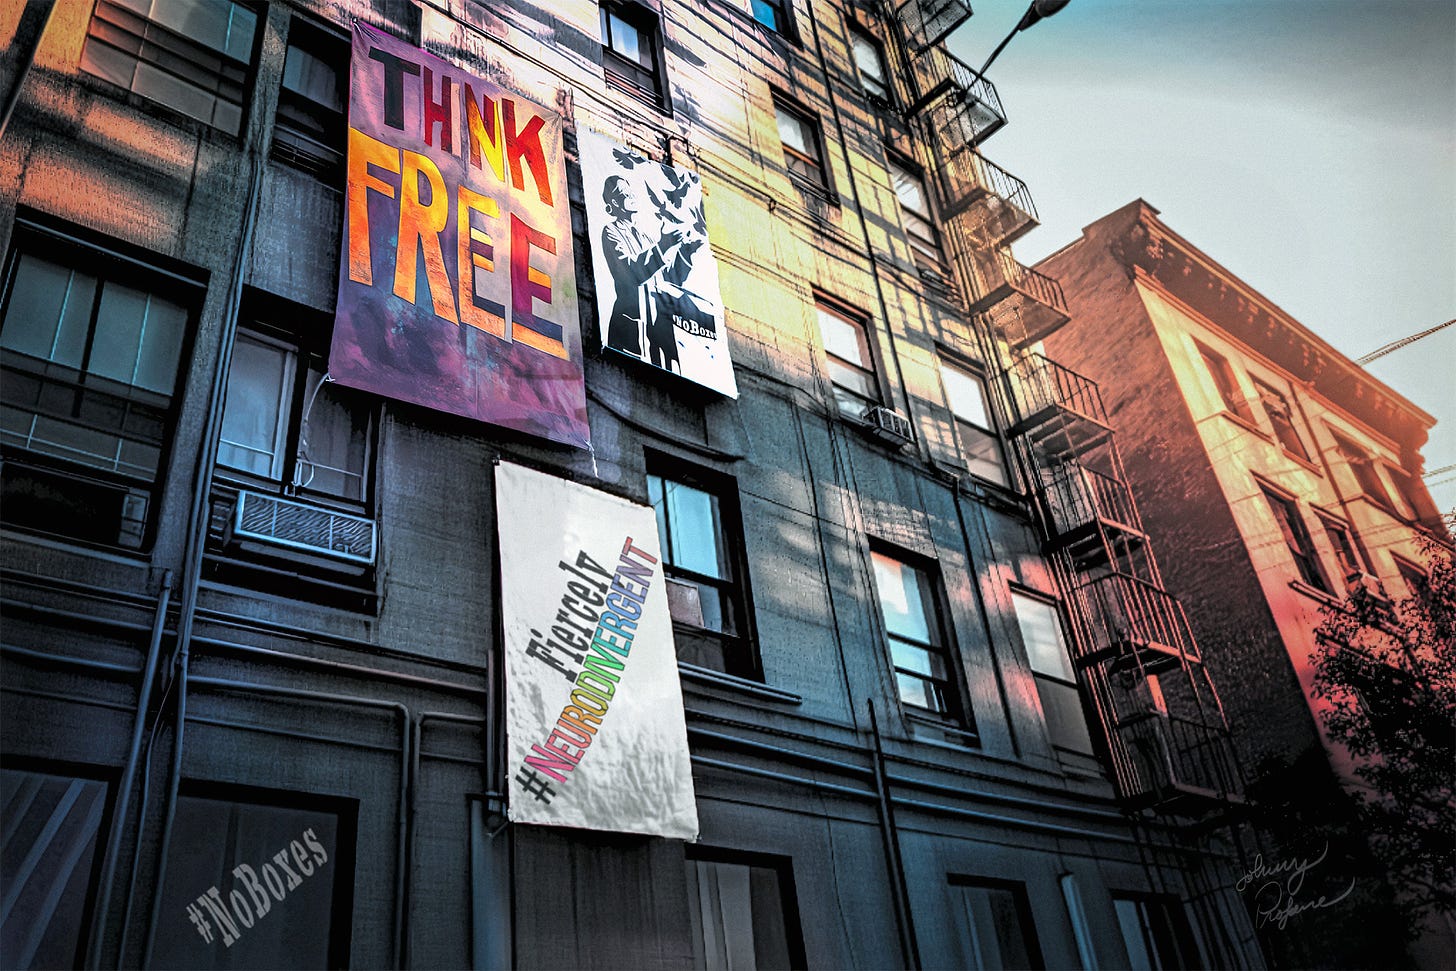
(889,426)
(1361,584)
(287,523)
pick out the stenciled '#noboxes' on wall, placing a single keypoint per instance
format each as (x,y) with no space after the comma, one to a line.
(657,280)
(457,286)
(595,731)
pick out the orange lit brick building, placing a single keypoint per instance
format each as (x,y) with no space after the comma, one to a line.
(1277,477)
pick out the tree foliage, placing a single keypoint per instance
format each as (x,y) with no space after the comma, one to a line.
(1387,672)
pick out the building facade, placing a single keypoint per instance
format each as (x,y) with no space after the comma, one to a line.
(254,701)
(1280,478)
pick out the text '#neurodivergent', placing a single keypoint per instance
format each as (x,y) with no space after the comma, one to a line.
(455,284)
(603,661)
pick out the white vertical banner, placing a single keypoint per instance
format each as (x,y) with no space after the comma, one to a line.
(595,733)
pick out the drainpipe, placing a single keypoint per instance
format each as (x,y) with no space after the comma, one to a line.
(899,890)
(122,812)
(198,517)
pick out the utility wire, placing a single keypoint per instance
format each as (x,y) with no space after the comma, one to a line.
(1397,345)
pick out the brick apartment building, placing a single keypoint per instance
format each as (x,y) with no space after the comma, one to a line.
(253,692)
(1278,477)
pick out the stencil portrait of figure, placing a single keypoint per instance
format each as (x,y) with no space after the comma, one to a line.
(656,277)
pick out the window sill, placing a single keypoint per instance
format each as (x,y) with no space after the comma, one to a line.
(719,679)
(1304,462)
(922,725)
(1249,426)
(1315,593)
(818,190)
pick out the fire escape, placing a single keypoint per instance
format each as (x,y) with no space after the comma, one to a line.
(1139,666)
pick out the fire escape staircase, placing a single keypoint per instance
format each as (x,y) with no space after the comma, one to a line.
(1162,720)
(1138,662)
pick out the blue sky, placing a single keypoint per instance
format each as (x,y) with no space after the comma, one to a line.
(1307,145)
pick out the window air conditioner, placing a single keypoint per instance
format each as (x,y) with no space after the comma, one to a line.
(276,521)
(889,426)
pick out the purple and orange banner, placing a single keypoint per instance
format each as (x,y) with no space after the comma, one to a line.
(457,286)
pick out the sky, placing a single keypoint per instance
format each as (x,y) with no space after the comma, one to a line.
(1309,146)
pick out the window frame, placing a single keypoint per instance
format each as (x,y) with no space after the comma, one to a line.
(1295,532)
(1363,466)
(1026,919)
(146,34)
(992,434)
(1281,417)
(1177,927)
(1226,383)
(1341,537)
(927,249)
(858,33)
(1413,575)
(781,866)
(308,346)
(740,656)
(344,859)
(784,26)
(1018,594)
(132,268)
(647,85)
(820,179)
(869,370)
(956,711)
(292,145)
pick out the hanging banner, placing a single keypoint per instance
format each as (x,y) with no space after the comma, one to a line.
(457,285)
(657,280)
(594,713)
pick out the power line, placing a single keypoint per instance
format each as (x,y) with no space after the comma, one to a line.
(1397,345)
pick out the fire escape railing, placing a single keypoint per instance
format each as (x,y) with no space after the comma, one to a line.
(1137,659)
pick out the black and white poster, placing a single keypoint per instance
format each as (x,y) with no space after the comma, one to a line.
(657,280)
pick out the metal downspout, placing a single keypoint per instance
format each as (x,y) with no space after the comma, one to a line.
(899,890)
(122,812)
(197,539)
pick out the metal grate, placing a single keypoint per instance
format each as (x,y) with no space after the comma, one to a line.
(297,525)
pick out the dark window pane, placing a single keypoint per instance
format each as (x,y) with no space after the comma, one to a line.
(51,828)
(230,846)
(997,924)
(738,917)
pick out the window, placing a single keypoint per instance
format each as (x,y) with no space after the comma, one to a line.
(631,54)
(743,912)
(925,678)
(258,880)
(1346,554)
(1296,538)
(1363,466)
(46,866)
(1407,495)
(1415,579)
(1155,932)
(997,931)
(312,102)
(919,221)
(192,57)
(869,60)
(1227,383)
(803,146)
(966,394)
(1276,406)
(851,366)
(773,14)
(1056,682)
(705,592)
(286,424)
(90,343)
